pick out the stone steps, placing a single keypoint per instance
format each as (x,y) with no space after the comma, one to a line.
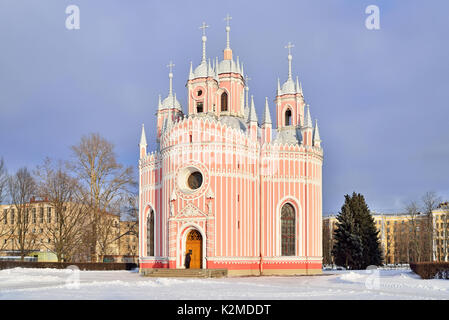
(185,273)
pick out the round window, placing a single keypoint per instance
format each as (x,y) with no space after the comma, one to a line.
(190,179)
(199,92)
(195,180)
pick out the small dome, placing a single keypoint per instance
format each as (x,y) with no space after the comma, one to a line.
(227,66)
(288,87)
(201,70)
(168,103)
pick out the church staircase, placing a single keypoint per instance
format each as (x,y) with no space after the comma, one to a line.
(184,273)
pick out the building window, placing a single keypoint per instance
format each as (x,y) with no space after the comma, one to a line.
(41,215)
(224,101)
(288,117)
(195,180)
(12,216)
(5,216)
(34,215)
(150,233)
(288,230)
(199,107)
(49,215)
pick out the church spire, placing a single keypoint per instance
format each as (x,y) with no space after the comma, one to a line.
(143,139)
(170,77)
(247,95)
(252,112)
(191,75)
(289,57)
(143,143)
(308,118)
(316,135)
(298,86)
(204,39)
(227,53)
(228,28)
(266,116)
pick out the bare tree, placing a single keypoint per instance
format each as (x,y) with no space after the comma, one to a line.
(108,233)
(129,227)
(111,232)
(21,188)
(60,189)
(6,231)
(131,214)
(401,242)
(412,210)
(430,202)
(104,181)
(3,180)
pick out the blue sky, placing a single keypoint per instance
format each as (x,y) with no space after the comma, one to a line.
(381,97)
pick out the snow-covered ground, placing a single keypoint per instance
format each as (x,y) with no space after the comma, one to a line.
(22,283)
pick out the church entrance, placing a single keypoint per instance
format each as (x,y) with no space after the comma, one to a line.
(194,242)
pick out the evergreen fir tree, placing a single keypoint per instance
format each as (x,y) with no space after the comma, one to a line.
(356,225)
(348,246)
(372,254)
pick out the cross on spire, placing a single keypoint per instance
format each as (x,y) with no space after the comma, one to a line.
(170,66)
(204,39)
(227,19)
(204,26)
(289,46)
(228,28)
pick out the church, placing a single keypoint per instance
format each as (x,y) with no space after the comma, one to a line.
(235,190)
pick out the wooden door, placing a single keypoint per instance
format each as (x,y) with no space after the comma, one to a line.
(195,243)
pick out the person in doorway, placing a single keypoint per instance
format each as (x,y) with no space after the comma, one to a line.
(188,258)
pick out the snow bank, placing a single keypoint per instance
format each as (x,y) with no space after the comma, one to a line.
(22,283)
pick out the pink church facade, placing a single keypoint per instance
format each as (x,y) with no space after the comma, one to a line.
(240,195)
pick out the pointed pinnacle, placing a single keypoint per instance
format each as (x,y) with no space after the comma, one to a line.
(143,139)
(252,112)
(308,119)
(316,135)
(267,116)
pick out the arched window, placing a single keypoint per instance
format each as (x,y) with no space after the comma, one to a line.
(288,117)
(224,101)
(150,233)
(288,230)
